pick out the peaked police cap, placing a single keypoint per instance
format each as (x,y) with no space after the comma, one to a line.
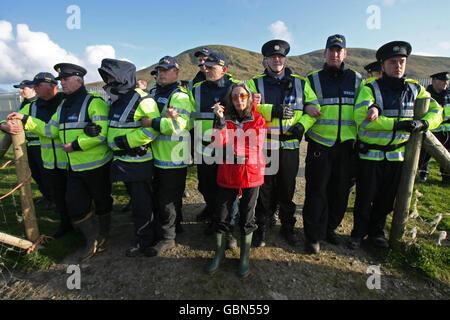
(275,47)
(441,76)
(393,48)
(68,70)
(373,67)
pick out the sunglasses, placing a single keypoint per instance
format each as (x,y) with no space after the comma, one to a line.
(241,96)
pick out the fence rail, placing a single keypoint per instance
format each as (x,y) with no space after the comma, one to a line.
(10,102)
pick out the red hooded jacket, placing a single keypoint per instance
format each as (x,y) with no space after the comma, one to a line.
(243,144)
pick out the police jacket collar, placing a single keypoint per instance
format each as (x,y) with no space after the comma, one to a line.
(396,84)
(333,71)
(166,90)
(221,83)
(81,92)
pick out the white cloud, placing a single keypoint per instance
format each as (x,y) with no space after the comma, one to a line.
(391,3)
(444,45)
(29,52)
(280,31)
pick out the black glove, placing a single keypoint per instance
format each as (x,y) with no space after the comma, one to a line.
(121,142)
(297,131)
(411,125)
(282,111)
(92,129)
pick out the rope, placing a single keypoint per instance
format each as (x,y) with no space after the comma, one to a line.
(16,187)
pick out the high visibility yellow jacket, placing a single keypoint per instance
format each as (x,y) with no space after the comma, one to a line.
(443,98)
(67,124)
(203,96)
(298,96)
(336,92)
(124,120)
(171,148)
(380,134)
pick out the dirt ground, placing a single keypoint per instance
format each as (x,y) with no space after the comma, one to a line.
(278,271)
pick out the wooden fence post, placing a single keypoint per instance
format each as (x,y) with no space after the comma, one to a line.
(406,185)
(5,142)
(434,148)
(26,196)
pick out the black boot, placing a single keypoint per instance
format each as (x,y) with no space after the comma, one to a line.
(259,238)
(289,234)
(159,248)
(65,226)
(90,232)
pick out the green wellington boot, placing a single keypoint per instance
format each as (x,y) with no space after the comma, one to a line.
(219,255)
(244,262)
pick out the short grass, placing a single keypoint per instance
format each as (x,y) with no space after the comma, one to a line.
(422,255)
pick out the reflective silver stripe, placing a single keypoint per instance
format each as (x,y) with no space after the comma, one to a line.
(365,123)
(365,103)
(191,85)
(53,123)
(49,146)
(298,95)
(344,100)
(378,97)
(130,105)
(58,164)
(383,135)
(147,156)
(317,87)
(373,155)
(149,134)
(394,113)
(171,138)
(33,109)
(171,164)
(203,115)
(163,111)
(358,80)
(72,125)
(48,130)
(261,89)
(435,111)
(82,115)
(33,143)
(198,96)
(330,122)
(414,89)
(314,135)
(290,144)
(313,102)
(90,165)
(176,127)
(395,155)
(118,124)
(183,111)
(99,118)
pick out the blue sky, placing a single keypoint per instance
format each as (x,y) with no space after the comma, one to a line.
(144,31)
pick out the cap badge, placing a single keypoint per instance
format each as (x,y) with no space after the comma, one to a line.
(396,49)
(276,47)
(338,39)
(58,70)
(221,62)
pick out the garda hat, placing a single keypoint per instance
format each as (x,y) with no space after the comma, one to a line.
(206,51)
(275,47)
(373,67)
(336,40)
(441,76)
(394,48)
(69,70)
(168,62)
(23,84)
(216,58)
(153,72)
(44,77)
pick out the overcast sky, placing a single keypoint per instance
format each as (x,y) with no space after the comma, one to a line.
(35,35)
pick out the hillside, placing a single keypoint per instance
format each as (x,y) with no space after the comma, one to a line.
(244,64)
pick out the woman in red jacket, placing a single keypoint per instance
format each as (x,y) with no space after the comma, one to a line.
(239,131)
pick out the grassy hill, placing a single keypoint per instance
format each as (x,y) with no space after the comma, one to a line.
(244,64)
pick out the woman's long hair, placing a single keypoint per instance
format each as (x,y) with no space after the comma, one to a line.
(230,111)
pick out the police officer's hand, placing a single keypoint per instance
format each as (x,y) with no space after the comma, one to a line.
(411,125)
(67,147)
(372,114)
(297,131)
(121,142)
(146,122)
(92,129)
(171,113)
(12,127)
(282,111)
(313,111)
(15,115)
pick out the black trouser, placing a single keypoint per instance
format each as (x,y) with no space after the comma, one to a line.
(57,179)
(83,187)
(328,173)
(376,188)
(279,189)
(224,209)
(37,171)
(207,185)
(142,211)
(169,185)
(444,138)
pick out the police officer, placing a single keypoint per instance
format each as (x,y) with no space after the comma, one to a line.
(133,158)
(373,70)
(204,95)
(439,90)
(79,115)
(283,96)
(201,56)
(171,150)
(26,88)
(382,140)
(330,156)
